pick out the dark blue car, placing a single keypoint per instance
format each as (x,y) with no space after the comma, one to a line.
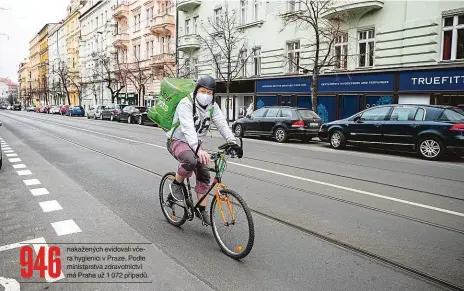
(75,111)
(429,130)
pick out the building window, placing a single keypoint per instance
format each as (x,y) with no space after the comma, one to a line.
(195,25)
(294,5)
(453,38)
(257,61)
(152,48)
(187,26)
(243,63)
(256,4)
(218,15)
(147,49)
(195,67)
(293,55)
(216,65)
(366,48)
(243,11)
(187,68)
(148,17)
(341,51)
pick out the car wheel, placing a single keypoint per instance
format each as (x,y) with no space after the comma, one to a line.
(88,116)
(337,140)
(430,148)
(140,121)
(280,135)
(129,120)
(112,117)
(95,116)
(101,116)
(238,130)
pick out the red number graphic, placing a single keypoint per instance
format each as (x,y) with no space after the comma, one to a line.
(25,260)
(53,264)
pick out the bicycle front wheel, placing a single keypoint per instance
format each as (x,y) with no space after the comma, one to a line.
(232,224)
(175,214)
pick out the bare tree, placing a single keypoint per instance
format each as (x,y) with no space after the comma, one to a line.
(63,74)
(77,81)
(322,22)
(138,75)
(111,73)
(227,47)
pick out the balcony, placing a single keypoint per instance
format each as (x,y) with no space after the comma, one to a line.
(356,8)
(162,59)
(188,42)
(121,10)
(121,40)
(187,5)
(163,24)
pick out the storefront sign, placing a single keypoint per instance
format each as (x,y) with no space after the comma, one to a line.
(379,82)
(285,85)
(433,80)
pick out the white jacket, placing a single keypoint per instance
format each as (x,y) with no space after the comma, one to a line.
(192,130)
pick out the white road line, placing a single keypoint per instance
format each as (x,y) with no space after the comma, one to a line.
(39,191)
(6,148)
(31,182)
(296,177)
(14,160)
(24,172)
(36,244)
(19,166)
(9,284)
(65,227)
(49,206)
(11,155)
(8,151)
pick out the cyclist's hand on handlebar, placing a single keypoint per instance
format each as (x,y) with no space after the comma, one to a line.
(238,150)
(203,157)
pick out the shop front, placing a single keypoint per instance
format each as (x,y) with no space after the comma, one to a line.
(437,87)
(284,91)
(149,100)
(239,101)
(127,98)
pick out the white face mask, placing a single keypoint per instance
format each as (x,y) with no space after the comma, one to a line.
(204,99)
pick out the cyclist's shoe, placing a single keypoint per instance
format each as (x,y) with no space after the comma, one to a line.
(177,191)
(204,217)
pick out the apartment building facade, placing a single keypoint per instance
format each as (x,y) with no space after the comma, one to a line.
(34,57)
(57,59)
(73,30)
(386,52)
(23,76)
(145,47)
(96,51)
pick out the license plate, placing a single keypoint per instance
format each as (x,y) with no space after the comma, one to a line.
(314,124)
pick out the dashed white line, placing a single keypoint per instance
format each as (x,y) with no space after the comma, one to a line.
(8,151)
(66,227)
(49,206)
(6,148)
(31,182)
(14,160)
(24,172)
(39,191)
(11,155)
(19,166)
(9,284)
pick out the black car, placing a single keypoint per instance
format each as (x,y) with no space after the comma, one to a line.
(142,119)
(429,130)
(280,122)
(112,111)
(17,107)
(130,113)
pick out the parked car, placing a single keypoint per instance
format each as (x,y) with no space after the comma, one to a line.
(3,106)
(30,109)
(75,111)
(429,130)
(1,154)
(280,122)
(95,111)
(142,119)
(131,113)
(9,107)
(17,106)
(54,109)
(112,111)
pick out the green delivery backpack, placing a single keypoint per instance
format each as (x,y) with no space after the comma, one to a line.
(173,90)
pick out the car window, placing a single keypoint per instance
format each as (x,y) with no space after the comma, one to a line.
(272,112)
(286,113)
(451,115)
(403,113)
(306,113)
(419,114)
(375,114)
(77,107)
(259,112)
(126,109)
(140,109)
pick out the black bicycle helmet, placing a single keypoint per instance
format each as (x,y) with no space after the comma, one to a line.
(206,82)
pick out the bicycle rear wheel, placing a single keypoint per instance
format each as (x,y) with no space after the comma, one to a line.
(231,214)
(175,214)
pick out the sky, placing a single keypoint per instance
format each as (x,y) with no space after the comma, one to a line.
(21,22)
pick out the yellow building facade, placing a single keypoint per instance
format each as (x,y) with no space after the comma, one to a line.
(23,72)
(72,50)
(43,64)
(34,58)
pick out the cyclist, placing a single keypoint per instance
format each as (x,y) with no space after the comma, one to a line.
(194,115)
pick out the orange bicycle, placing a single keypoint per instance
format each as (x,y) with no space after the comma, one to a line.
(226,208)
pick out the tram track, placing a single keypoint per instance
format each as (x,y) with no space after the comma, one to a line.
(336,242)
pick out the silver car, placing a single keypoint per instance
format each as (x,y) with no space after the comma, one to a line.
(95,112)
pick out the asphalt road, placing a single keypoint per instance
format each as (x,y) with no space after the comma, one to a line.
(324,219)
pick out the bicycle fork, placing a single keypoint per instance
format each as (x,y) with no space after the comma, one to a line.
(219,199)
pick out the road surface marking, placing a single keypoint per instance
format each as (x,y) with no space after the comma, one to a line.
(24,172)
(8,151)
(31,182)
(11,155)
(49,206)
(14,160)
(293,177)
(19,166)
(6,148)
(36,244)
(66,227)
(9,284)
(39,191)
